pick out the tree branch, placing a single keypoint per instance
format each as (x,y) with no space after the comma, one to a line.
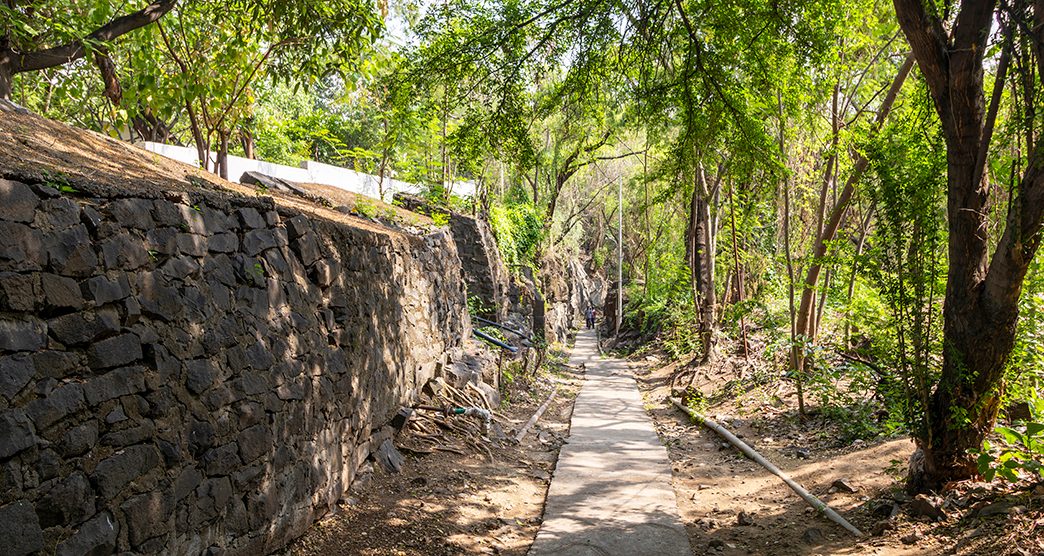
(60,55)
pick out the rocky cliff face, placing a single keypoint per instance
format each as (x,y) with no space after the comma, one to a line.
(198,371)
(484,269)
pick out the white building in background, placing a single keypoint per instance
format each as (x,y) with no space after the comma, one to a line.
(309,172)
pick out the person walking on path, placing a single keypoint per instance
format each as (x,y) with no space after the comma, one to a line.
(590,317)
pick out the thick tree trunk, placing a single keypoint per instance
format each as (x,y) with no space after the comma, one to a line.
(982,293)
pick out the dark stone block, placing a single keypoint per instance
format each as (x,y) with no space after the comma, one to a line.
(223,460)
(187,481)
(20,533)
(201,437)
(15,373)
(57,214)
(172,456)
(219,490)
(113,352)
(48,465)
(223,243)
(159,300)
(220,269)
(60,403)
(162,240)
(258,357)
(219,396)
(254,442)
(79,440)
(147,516)
(249,384)
(389,457)
(166,213)
(103,289)
(250,218)
(322,273)
(307,249)
(115,383)
(84,327)
(71,252)
(131,311)
(91,218)
(200,374)
(22,246)
(70,501)
(133,435)
(117,415)
(298,226)
(95,537)
(61,292)
(16,433)
(191,244)
(19,292)
(179,268)
(125,252)
(114,473)
(132,213)
(28,334)
(256,241)
(17,202)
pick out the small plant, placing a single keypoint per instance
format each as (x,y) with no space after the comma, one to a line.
(366,208)
(1020,451)
(59,181)
(440,218)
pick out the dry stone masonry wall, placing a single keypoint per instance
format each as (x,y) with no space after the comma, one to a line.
(484,270)
(200,373)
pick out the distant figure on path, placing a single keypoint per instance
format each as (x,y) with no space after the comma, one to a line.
(590,317)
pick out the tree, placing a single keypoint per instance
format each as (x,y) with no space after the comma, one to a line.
(982,290)
(36,37)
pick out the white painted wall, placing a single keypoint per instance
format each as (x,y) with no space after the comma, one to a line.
(309,172)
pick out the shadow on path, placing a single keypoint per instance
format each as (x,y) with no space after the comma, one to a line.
(611,493)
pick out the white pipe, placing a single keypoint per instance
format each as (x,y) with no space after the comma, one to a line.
(749,452)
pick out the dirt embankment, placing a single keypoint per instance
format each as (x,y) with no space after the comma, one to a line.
(731,505)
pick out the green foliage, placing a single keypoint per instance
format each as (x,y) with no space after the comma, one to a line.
(1020,451)
(518,230)
(366,207)
(907,255)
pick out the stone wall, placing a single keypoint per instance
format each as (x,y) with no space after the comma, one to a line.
(484,269)
(200,372)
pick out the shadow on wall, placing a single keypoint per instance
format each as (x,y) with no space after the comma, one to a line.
(197,372)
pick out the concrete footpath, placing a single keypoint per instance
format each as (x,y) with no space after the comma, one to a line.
(611,492)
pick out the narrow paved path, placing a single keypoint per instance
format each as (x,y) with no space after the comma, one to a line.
(611,493)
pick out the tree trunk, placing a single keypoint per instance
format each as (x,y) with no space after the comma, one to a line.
(805,318)
(246,139)
(222,155)
(701,246)
(982,293)
(6,75)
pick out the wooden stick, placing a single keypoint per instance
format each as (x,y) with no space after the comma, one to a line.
(749,452)
(532,420)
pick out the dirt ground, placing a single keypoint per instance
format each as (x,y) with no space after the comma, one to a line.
(731,505)
(448,503)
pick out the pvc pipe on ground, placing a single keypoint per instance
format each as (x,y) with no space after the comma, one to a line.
(749,452)
(532,420)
